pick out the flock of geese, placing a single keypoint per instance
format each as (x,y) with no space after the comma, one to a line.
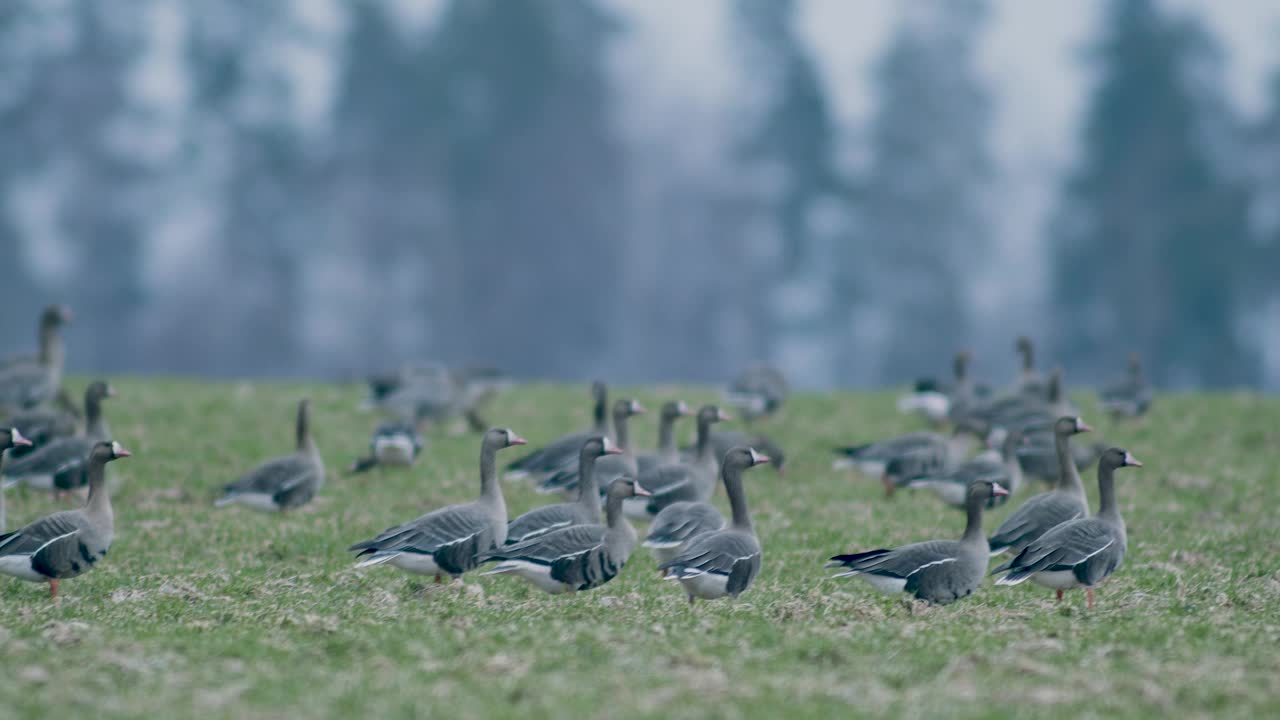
(607,483)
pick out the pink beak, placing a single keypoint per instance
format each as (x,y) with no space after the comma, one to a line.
(1083,427)
(724,416)
(517,440)
(17,438)
(613,450)
(998,490)
(123,453)
(641,492)
(637,408)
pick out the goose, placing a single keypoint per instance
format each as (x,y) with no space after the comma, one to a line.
(694,480)
(1081,552)
(933,400)
(394,442)
(1066,501)
(952,487)
(722,562)
(936,571)
(558,454)
(667,453)
(284,483)
(758,392)
(449,541)
(25,384)
(576,558)
(10,439)
(920,452)
(61,464)
(1129,398)
(436,393)
(1028,381)
(1039,456)
(607,469)
(68,543)
(722,441)
(43,425)
(585,511)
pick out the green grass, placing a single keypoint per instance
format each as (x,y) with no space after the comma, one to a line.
(232,613)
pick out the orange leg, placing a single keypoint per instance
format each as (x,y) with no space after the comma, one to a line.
(1059,596)
(889,487)
(1089,592)
(439,579)
(53,588)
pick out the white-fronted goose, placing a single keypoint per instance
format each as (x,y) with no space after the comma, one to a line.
(26,384)
(694,480)
(936,571)
(667,452)
(68,543)
(758,392)
(677,524)
(607,469)
(61,464)
(952,486)
(1028,381)
(394,443)
(450,540)
(585,511)
(1066,501)
(1078,553)
(563,452)
(10,438)
(576,558)
(1132,396)
(722,562)
(284,483)
(922,452)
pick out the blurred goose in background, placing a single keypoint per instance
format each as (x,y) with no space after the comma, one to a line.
(1028,381)
(27,382)
(667,452)
(62,463)
(758,392)
(936,571)
(1066,501)
(43,425)
(449,541)
(1082,552)
(694,480)
(1129,398)
(68,543)
(937,402)
(724,562)
(917,452)
(284,483)
(10,439)
(435,393)
(560,453)
(576,558)
(952,486)
(585,511)
(607,469)
(1038,454)
(394,442)
(722,441)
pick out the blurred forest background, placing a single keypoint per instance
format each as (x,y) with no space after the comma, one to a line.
(316,187)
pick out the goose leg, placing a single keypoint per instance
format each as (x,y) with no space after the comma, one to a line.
(691,601)
(1089,592)
(1059,596)
(53,588)
(889,487)
(439,580)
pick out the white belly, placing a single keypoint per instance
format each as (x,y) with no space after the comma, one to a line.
(393,451)
(1057,580)
(19,566)
(889,585)
(419,563)
(707,586)
(257,501)
(537,575)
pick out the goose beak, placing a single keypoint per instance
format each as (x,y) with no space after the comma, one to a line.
(66,315)
(1132,461)
(637,408)
(641,492)
(111,392)
(613,450)
(723,416)
(997,490)
(760,459)
(1082,426)
(682,409)
(17,439)
(517,440)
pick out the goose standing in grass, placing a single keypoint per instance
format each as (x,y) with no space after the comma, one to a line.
(952,487)
(61,464)
(449,541)
(10,438)
(1131,397)
(1028,381)
(917,452)
(561,453)
(394,443)
(667,452)
(937,402)
(585,511)
(25,384)
(68,543)
(722,562)
(42,425)
(936,571)
(695,480)
(758,392)
(607,469)
(284,483)
(1039,514)
(1078,553)
(576,558)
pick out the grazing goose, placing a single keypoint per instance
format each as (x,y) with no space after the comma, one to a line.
(25,384)
(694,480)
(667,453)
(61,464)
(586,511)
(758,392)
(395,442)
(1082,552)
(952,487)
(450,540)
(1130,398)
(575,558)
(607,469)
(920,452)
(10,439)
(560,453)
(936,571)
(722,562)
(284,483)
(68,543)
(1066,501)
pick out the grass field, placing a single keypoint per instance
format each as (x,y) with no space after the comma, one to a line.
(233,613)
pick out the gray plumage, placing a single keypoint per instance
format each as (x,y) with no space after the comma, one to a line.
(722,441)
(607,469)
(952,486)
(10,440)
(62,463)
(937,571)
(450,540)
(26,384)
(394,442)
(758,392)
(584,511)
(1066,501)
(692,481)
(1130,397)
(933,449)
(667,452)
(283,483)
(563,452)
(679,523)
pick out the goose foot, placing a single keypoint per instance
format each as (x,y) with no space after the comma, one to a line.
(53,589)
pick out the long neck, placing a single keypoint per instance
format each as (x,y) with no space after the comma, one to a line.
(93,416)
(1068,476)
(601,414)
(704,439)
(973,520)
(588,492)
(303,430)
(737,498)
(489,488)
(1108,510)
(613,516)
(99,498)
(667,434)
(50,346)
(620,431)
(1013,465)
(1028,361)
